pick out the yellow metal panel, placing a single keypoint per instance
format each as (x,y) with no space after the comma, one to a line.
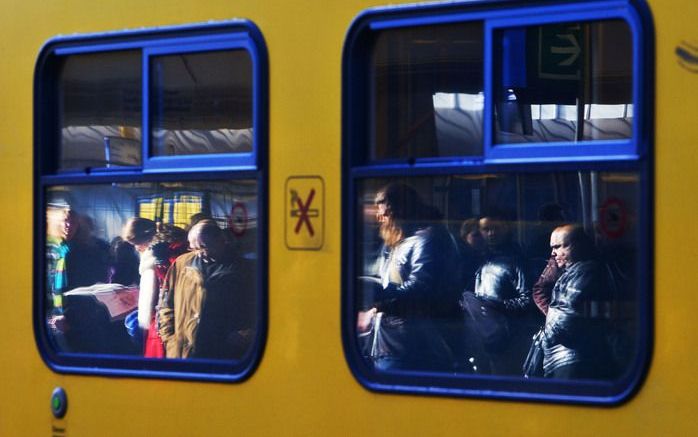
(676,341)
(303,385)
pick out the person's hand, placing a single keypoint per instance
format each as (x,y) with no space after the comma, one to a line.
(364,320)
(57,324)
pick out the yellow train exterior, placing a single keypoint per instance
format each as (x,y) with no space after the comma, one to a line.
(303,385)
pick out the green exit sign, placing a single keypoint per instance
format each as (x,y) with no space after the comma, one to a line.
(561,50)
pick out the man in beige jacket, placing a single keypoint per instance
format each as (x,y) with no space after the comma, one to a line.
(206,310)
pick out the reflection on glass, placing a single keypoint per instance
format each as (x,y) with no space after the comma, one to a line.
(99,97)
(499,274)
(564,82)
(426,92)
(159,270)
(201,103)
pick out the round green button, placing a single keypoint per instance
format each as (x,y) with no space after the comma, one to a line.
(59,403)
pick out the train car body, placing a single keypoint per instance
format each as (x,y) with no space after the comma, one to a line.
(303,374)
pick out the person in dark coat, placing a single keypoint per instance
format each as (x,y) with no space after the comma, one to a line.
(75,258)
(575,334)
(417,295)
(207,302)
(498,309)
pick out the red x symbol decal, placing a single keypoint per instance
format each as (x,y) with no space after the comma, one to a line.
(303,216)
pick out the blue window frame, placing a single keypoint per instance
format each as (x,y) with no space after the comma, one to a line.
(95,167)
(600,181)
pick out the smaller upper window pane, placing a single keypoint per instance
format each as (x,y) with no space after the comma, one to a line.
(99,102)
(201,103)
(564,83)
(427,92)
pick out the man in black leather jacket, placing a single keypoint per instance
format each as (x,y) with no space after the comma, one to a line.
(499,307)
(575,335)
(500,277)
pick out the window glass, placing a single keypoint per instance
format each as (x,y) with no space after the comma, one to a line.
(99,105)
(426,95)
(201,103)
(160,270)
(564,82)
(470,274)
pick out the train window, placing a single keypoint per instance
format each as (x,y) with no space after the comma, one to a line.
(100,110)
(149,266)
(95,275)
(564,83)
(479,269)
(448,266)
(434,75)
(201,103)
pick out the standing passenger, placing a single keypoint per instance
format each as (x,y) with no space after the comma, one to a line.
(123,263)
(575,334)
(498,310)
(472,249)
(74,258)
(158,245)
(418,294)
(206,309)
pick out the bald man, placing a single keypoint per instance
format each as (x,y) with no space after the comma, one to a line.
(575,335)
(206,308)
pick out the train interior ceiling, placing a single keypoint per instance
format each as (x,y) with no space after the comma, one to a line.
(434,76)
(197,108)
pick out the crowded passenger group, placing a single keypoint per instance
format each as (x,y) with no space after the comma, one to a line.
(195,295)
(477,304)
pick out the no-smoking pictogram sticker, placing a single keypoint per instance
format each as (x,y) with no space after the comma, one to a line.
(302,211)
(613,218)
(305,221)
